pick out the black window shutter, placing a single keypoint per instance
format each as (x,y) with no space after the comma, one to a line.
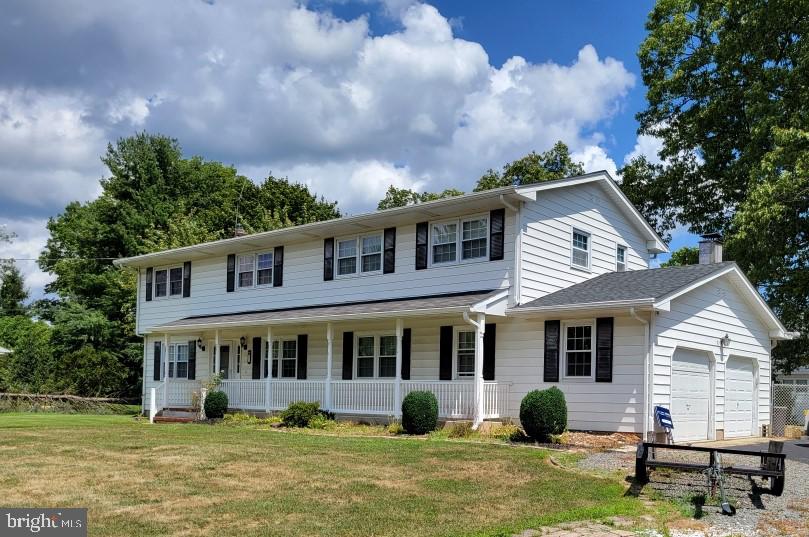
(256,358)
(187,279)
(497,234)
(445,354)
(406,335)
(303,351)
(421,245)
(348,355)
(389,264)
(266,358)
(276,361)
(158,370)
(328,259)
(231,284)
(551,365)
(604,338)
(149,276)
(192,360)
(278,266)
(489,339)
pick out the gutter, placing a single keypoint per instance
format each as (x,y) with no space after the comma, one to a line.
(523,310)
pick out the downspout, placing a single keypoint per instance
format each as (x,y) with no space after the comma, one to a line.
(646,391)
(480,327)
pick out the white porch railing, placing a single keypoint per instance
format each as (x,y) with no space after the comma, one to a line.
(157,400)
(456,399)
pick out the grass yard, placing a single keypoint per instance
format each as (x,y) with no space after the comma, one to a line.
(141,479)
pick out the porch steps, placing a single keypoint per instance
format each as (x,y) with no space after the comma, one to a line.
(175,416)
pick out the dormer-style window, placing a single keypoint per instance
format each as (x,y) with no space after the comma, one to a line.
(580,250)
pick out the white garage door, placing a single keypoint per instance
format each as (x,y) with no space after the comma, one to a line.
(690,395)
(739,397)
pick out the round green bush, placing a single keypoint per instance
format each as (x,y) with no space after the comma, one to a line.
(216,404)
(419,412)
(300,413)
(543,413)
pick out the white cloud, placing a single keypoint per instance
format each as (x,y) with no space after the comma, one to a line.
(646,146)
(595,158)
(25,249)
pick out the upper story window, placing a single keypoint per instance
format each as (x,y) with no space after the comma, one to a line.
(168,282)
(245,267)
(580,249)
(620,258)
(471,242)
(264,269)
(465,354)
(359,255)
(578,352)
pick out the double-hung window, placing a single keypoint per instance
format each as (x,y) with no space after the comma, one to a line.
(580,249)
(264,269)
(245,267)
(376,356)
(465,354)
(346,257)
(445,243)
(371,253)
(178,361)
(176,281)
(161,282)
(620,258)
(289,357)
(474,236)
(578,349)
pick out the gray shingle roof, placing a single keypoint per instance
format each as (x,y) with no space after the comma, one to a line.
(648,284)
(417,305)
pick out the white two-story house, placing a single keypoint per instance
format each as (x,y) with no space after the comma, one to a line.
(478,298)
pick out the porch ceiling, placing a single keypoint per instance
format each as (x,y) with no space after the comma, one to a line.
(402,307)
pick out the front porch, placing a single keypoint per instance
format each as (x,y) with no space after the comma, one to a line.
(456,399)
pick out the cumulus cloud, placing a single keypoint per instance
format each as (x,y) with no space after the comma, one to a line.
(646,146)
(285,87)
(594,158)
(25,249)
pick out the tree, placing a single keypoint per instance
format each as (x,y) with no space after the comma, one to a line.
(402,197)
(13,293)
(727,97)
(153,199)
(687,255)
(556,163)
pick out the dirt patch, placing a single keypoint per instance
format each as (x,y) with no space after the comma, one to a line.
(598,440)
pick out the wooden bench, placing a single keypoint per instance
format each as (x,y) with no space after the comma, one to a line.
(772,466)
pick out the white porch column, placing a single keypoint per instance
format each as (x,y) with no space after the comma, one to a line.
(480,330)
(329,360)
(216,353)
(165,355)
(268,375)
(397,394)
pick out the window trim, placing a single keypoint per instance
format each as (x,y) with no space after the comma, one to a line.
(168,295)
(623,248)
(172,360)
(459,222)
(271,253)
(573,232)
(376,336)
(455,341)
(281,341)
(255,254)
(563,349)
(358,272)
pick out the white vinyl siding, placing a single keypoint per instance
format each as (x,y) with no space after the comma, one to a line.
(304,284)
(545,230)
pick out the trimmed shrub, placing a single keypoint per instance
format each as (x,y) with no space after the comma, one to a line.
(216,404)
(543,413)
(419,412)
(299,413)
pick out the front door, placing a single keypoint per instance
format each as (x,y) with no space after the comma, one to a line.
(224,361)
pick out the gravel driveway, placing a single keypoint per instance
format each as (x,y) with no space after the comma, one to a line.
(758,513)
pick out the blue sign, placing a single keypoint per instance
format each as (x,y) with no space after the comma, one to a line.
(663,417)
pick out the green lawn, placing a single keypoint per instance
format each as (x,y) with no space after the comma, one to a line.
(141,479)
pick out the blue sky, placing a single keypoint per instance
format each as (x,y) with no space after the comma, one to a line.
(347,97)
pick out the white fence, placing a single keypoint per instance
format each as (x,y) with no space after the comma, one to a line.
(373,397)
(157,400)
(790,405)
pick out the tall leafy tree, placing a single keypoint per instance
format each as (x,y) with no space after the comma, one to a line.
(402,197)
(556,163)
(13,293)
(687,255)
(727,96)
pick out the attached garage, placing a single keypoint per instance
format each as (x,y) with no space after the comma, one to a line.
(739,399)
(690,395)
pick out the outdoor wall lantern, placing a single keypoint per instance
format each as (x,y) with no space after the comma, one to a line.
(200,346)
(249,357)
(243,342)
(725,341)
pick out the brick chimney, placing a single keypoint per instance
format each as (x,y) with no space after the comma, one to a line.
(710,248)
(239,231)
